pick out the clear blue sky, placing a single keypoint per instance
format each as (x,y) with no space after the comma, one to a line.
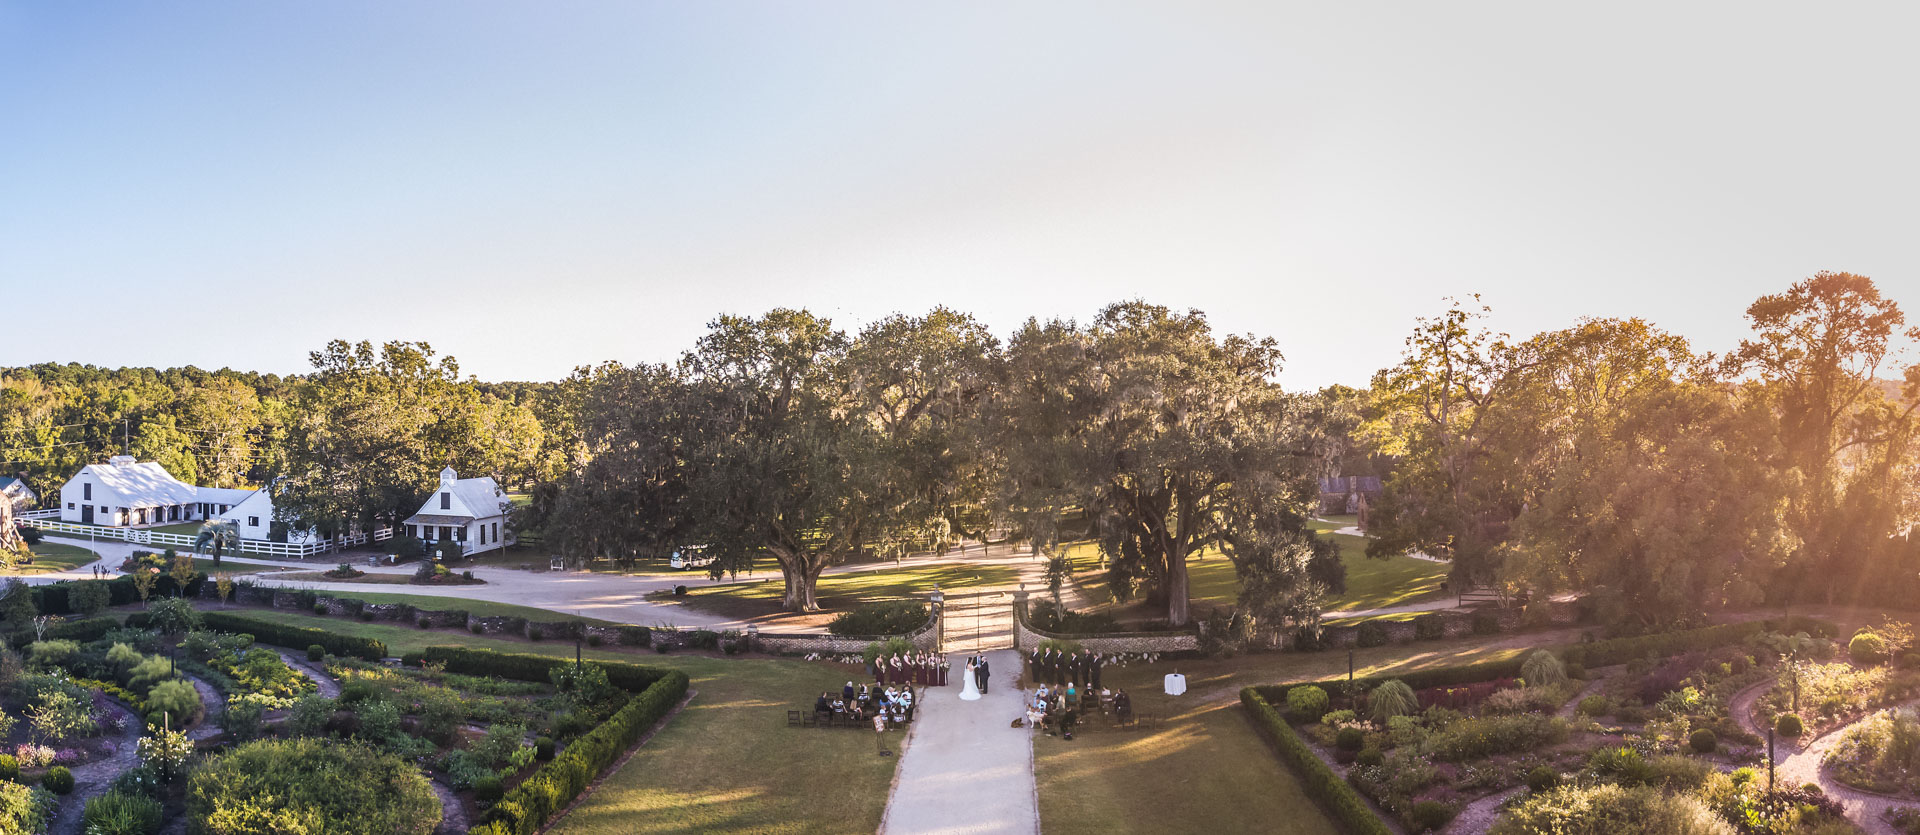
(536,186)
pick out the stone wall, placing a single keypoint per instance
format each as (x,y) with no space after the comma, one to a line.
(926,638)
(1026,637)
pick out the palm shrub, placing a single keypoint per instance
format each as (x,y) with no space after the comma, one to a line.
(1543,669)
(122,813)
(1392,698)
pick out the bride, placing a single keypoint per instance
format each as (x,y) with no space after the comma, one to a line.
(968,690)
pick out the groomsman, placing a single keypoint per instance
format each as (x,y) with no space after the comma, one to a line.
(1034,666)
(980,674)
(1098,662)
(1059,665)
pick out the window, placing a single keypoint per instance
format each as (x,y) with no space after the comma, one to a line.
(446,501)
(460,534)
(253,521)
(411,532)
(496,531)
(446,532)
(69,505)
(86,490)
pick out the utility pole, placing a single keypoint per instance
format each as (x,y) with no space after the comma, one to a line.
(1770,764)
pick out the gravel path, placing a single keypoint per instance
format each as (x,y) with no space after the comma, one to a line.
(1805,765)
(1478,816)
(453,816)
(216,706)
(91,780)
(964,769)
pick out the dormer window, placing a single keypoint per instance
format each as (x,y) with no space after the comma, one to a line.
(446,501)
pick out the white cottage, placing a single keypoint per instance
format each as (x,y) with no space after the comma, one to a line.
(17,493)
(470,511)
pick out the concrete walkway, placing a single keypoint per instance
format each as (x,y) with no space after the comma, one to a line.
(964,770)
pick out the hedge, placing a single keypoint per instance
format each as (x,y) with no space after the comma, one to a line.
(90,629)
(268,632)
(1597,654)
(528,807)
(632,678)
(1349,812)
(51,599)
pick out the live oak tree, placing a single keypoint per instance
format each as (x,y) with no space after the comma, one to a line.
(1844,442)
(1177,442)
(629,498)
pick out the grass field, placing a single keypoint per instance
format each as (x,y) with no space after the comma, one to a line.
(1371,583)
(477,608)
(844,591)
(367,579)
(1207,769)
(728,763)
(49,557)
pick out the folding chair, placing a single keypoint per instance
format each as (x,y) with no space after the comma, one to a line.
(793,719)
(810,720)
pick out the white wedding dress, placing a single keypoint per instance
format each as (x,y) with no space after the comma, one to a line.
(968,691)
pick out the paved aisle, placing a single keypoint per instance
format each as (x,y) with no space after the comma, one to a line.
(967,771)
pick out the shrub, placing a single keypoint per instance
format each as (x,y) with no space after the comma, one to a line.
(309,715)
(316,653)
(1703,741)
(268,632)
(1607,808)
(1595,706)
(1392,698)
(122,813)
(635,636)
(335,788)
(525,809)
(898,617)
(594,639)
(1350,739)
(543,748)
(50,653)
(1542,778)
(1867,647)
(319,608)
(1789,726)
(1369,757)
(535,633)
(1474,738)
(1543,669)
(1044,616)
(241,720)
(1678,772)
(174,703)
(476,628)
(487,789)
(1371,635)
(1621,765)
(1576,670)
(424,623)
(366,616)
(1485,623)
(1429,816)
(9,767)
(90,597)
(632,678)
(1307,703)
(58,780)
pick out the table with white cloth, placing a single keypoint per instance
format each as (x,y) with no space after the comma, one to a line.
(1176,684)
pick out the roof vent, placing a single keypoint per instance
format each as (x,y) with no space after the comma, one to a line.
(121,461)
(448,476)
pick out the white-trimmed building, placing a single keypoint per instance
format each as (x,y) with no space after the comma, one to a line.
(18,493)
(124,493)
(470,511)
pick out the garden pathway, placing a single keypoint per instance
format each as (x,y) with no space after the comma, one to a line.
(962,768)
(94,778)
(453,814)
(1805,765)
(216,706)
(328,686)
(1478,817)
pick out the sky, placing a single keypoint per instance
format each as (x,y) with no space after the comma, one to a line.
(533,187)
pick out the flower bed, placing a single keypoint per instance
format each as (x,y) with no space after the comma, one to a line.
(1880,754)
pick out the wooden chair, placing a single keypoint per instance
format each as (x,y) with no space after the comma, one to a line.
(793,719)
(809,720)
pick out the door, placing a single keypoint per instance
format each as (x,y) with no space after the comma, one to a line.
(86,514)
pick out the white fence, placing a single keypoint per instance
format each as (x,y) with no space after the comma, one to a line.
(142,536)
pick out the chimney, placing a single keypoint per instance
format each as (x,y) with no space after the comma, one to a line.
(121,460)
(448,477)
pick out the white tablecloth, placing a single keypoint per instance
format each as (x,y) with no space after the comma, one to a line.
(1176,684)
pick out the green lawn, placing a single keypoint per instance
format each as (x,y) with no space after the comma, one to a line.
(1207,768)
(49,557)
(844,591)
(367,579)
(1371,583)
(728,763)
(477,608)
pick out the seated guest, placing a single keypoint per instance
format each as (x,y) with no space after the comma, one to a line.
(864,693)
(839,705)
(847,692)
(821,705)
(1073,697)
(1122,704)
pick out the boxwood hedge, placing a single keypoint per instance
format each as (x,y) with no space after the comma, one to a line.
(268,632)
(530,805)
(1342,803)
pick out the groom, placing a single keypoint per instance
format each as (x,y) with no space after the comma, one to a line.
(980,674)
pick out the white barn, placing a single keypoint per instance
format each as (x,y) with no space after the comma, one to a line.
(470,511)
(123,493)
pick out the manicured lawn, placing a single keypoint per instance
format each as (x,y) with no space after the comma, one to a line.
(1371,583)
(478,608)
(1207,768)
(844,591)
(369,579)
(728,763)
(49,557)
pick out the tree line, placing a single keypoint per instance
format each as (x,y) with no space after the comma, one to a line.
(1613,458)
